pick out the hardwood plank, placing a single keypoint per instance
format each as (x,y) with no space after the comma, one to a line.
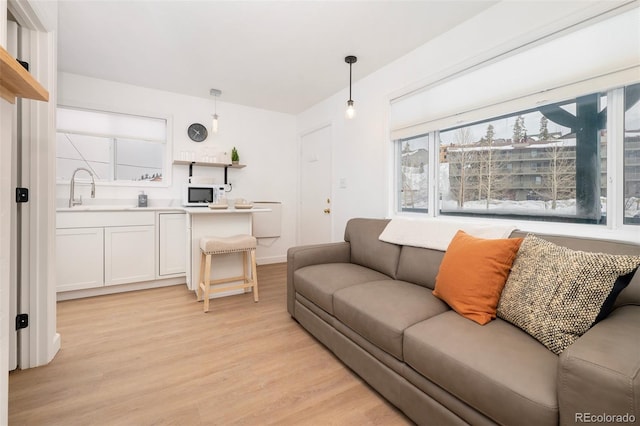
(152,357)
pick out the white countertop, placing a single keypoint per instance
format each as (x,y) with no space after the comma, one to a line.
(115,207)
(190,210)
(230,210)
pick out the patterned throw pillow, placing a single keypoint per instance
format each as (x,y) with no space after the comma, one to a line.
(556,294)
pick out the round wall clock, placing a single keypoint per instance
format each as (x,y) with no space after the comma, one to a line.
(197,132)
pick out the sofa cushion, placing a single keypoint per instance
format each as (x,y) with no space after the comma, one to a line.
(419,265)
(473,272)
(318,283)
(556,294)
(367,250)
(380,311)
(496,368)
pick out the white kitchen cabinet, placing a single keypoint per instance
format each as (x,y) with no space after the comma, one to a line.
(80,258)
(129,254)
(172,241)
(98,249)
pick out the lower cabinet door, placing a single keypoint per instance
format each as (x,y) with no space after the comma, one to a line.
(130,254)
(171,245)
(79,258)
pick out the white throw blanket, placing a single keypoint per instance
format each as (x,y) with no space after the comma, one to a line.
(437,233)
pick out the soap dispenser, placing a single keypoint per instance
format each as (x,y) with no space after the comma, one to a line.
(142,199)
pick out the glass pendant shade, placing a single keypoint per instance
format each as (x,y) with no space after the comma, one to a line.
(351,111)
(214,124)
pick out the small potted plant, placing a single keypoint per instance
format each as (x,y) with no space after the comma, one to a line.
(235,158)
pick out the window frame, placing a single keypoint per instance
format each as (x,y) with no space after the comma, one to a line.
(614,228)
(168,144)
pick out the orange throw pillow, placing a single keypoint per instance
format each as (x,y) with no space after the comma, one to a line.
(473,273)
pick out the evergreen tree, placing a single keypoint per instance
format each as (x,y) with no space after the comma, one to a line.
(490,134)
(544,132)
(519,129)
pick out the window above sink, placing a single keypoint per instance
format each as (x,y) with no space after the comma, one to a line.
(121,149)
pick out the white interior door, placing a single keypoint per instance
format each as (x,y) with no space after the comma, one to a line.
(315,186)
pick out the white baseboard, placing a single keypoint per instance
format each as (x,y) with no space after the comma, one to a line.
(100,291)
(55,347)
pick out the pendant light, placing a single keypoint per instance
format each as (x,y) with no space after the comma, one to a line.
(214,124)
(351,112)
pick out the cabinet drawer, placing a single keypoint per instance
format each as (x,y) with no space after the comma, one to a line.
(106,219)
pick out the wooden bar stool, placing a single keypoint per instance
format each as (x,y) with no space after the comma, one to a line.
(245,244)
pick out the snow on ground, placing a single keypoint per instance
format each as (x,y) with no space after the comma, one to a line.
(563,207)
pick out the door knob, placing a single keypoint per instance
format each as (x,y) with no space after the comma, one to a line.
(327,210)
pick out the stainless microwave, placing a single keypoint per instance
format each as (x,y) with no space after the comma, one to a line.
(201,194)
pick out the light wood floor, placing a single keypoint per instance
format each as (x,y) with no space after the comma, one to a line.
(153,357)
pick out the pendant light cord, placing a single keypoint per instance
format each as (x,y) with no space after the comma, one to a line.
(350,60)
(350,81)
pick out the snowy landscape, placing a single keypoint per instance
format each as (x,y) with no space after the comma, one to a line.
(416,184)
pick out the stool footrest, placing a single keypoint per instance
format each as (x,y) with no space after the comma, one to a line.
(226,280)
(229,287)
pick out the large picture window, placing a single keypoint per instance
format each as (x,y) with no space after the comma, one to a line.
(115,147)
(538,163)
(547,163)
(546,131)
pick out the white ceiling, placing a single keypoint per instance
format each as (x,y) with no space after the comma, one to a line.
(277,55)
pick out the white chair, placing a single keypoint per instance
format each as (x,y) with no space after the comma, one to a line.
(209,246)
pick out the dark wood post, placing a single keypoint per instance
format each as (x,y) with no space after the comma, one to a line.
(588,157)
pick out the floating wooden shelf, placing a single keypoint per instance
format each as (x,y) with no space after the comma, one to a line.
(200,163)
(15,81)
(224,166)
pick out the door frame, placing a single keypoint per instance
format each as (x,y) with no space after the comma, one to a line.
(6,171)
(39,342)
(12,47)
(301,135)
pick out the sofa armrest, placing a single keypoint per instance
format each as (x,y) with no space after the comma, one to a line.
(599,374)
(301,256)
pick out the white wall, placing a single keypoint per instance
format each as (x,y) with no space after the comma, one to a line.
(362,151)
(266,142)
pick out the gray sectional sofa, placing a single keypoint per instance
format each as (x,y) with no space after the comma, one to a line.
(371,303)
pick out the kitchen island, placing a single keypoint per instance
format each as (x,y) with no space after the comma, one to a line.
(206,222)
